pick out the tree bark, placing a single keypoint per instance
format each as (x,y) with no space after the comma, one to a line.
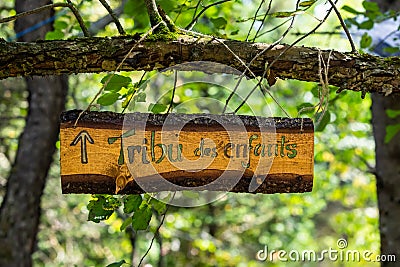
(387,175)
(20,209)
(387,166)
(349,71)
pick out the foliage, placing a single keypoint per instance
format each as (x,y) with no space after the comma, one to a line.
(228,232)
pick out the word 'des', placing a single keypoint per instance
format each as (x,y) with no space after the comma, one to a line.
(134,153)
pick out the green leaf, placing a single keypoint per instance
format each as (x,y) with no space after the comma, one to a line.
(157,108)
(159,206)
(60,25)
(127,100)
(116,264)
(132,203)
(54,35)
(391,131)
(101,207)
(366,41)
(307,3)
(370,6)
(141,218)
(322,122)
(116,82)
(367,25)
(219,23)
(141,97)
(393,113)
(126,223)
(108,99)
(235,32)
(351,10)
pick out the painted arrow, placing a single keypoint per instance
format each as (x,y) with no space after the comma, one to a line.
(82,137)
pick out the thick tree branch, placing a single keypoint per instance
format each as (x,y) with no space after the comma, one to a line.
(350,71)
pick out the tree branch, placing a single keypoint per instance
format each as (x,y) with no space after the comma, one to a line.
(113,16)
(85,55)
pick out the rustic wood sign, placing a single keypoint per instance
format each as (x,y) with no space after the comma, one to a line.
(133,153)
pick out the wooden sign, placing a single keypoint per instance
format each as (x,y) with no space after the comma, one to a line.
(138,152)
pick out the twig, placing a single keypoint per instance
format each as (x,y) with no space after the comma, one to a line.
(40,9)
(346,30)
(154,15)
(180,11)
(324,80)
(297,41)
(113,16)
(112,75)
(259,84)
(195,9)
(129,101)
(101,23)
(263,20)
(173,91)
(254,58)
(254,19)
(193,22)
(274,28)
(156,232)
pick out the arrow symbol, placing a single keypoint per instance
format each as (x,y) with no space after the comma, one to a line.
(82,137)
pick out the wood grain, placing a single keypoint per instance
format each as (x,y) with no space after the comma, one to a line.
(171,152)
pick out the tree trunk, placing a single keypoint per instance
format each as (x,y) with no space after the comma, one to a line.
(387,175)
(20,209)
(387,166)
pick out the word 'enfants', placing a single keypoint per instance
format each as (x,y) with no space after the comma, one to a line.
(152,151)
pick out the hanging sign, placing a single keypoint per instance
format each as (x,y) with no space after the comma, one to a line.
(108,153)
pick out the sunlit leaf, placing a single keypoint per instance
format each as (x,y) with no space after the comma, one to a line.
(157,108)
(108,99)
(116,82)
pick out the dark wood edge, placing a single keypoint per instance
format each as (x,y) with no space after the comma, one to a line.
(111,120)
(101,184)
